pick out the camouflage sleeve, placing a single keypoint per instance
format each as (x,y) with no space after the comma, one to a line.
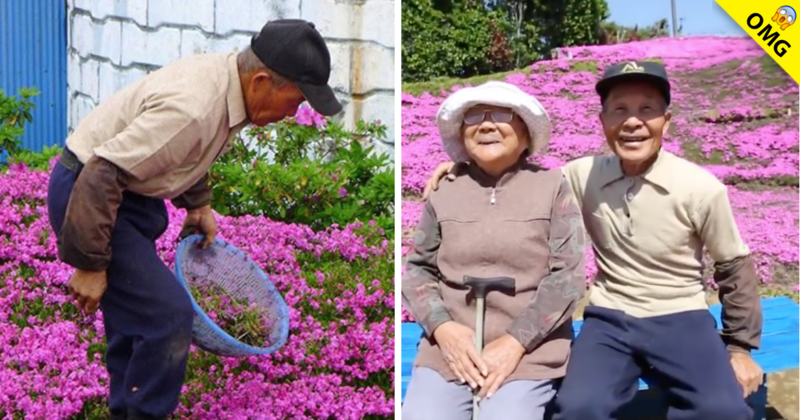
(561,290)
(420,285)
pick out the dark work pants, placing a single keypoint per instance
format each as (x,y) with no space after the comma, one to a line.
(682,352)
(147,314)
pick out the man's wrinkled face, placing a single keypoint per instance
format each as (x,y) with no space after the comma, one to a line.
(634,119)
(268,102)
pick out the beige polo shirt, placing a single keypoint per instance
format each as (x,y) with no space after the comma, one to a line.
(167,129)
(648,232)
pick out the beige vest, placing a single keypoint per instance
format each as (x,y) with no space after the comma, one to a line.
(506,238)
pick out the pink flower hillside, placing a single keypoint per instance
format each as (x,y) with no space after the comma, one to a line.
(734,113)
(337,363)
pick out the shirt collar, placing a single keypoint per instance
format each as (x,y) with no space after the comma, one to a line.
(236,108)
(658,173)
(487,180)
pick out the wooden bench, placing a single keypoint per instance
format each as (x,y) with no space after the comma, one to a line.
(779,352)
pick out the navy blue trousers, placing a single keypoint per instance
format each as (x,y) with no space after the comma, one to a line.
(147,314)
(683,353)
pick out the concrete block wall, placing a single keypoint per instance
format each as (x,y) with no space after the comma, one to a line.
(115,42)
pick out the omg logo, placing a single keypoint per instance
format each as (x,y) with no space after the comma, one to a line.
(785,17)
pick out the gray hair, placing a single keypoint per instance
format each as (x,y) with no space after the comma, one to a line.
(248,61)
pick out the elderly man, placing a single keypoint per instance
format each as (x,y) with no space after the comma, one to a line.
(649,214)
(152,141)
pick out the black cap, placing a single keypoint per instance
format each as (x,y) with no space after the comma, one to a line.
(294,49)
(644,71)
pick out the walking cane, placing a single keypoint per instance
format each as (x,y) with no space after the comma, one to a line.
(481,287)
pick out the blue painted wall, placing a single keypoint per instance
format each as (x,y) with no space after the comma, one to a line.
(33,53)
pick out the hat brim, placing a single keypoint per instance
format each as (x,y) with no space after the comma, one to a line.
(451,114)
(321,98)
(604,86)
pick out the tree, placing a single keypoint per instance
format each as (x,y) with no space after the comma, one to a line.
(541,25)
(461,38)
(450,38)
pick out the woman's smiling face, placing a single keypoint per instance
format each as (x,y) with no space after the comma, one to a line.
(494,137)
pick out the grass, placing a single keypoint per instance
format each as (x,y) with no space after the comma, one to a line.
(93,409)
(434,86)
(784,278)
(779,291)
(411,196)
(590,66)
(769,67)
(775,76)
(445,83)
(763,184)
(243,320)
(576,65)
(692,152)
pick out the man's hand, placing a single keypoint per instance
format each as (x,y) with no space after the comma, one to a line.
(88,287)
(432,184)
(457,344)
(200,220)
(501,357)
(748,372)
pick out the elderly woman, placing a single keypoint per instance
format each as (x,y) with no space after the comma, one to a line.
(503,217)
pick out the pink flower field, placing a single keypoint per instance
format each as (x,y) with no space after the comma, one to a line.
(734,113)
(337,363)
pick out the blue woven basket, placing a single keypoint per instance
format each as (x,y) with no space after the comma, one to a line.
(224,266)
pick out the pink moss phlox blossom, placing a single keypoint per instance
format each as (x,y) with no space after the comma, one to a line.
(735,120)
(50,362)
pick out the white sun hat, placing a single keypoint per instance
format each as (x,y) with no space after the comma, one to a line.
(451,115)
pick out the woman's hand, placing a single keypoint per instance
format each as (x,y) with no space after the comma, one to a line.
(501,356)
(457,344)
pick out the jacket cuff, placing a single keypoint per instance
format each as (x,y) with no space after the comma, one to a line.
(524,337)
(735,348)
(435,321)
(199,195)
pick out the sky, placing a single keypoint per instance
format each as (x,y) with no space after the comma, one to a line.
(700,17)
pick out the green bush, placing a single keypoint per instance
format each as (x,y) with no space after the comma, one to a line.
(298,173)
(14,114)
(454,38)
(36,160)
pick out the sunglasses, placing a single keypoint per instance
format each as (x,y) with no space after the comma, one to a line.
(497,115)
